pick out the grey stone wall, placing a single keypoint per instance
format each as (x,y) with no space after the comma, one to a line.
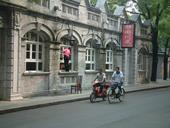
(55,25)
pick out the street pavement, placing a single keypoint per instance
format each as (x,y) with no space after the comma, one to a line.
(42,101)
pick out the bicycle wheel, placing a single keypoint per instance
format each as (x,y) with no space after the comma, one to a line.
(111,96)
(123,92)
(92,97)
(122,95)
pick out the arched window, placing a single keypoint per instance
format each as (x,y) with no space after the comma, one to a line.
(142,55)
(90,56)
(35,51)
(109,58)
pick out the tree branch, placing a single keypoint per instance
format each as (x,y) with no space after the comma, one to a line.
(140,8)
(148,11)
(157,15)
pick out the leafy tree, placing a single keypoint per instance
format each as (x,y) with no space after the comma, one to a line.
(93,2)
(164,38)
(112,4)
(152,10)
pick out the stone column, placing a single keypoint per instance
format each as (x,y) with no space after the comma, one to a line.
(97,55)
(81,59)
(126,66)
(129,65)
(15,57)
(7,60)
(81,63)
(14,48)
(102,58)
(136,65)
(131,76)
(54,64)
(10,59)
(4,93)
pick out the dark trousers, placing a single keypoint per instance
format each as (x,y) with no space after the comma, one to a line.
(66,63)
(115,85)
(101,86)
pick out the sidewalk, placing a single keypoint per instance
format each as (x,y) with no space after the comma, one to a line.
(35,102)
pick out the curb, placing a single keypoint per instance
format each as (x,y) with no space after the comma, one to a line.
(147,89)
(40,105)
(67,101)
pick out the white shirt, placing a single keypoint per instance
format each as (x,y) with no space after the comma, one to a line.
(117,77)
(101,77)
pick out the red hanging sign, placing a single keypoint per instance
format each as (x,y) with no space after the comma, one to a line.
(128,35)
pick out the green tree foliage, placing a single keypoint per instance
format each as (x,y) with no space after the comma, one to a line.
(93,2)
(164,39)
(152,10)
(164,26)
(112,4)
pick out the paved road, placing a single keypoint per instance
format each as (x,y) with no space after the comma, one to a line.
(146,109)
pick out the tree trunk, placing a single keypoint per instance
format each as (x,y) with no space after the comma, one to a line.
(166,60)
(154,54)
(165,67)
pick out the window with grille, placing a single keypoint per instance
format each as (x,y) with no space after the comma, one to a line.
(113,22)
(66,43)
(44,3)
(142,59)
(70,10)
(109,58)
(141,62)
(35,49)
(143,31)
(90,57)
(93,17)
(62,57)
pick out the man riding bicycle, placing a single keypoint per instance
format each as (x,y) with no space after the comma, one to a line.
(117,78)
(100,79)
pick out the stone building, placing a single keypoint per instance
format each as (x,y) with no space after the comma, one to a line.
(33,35)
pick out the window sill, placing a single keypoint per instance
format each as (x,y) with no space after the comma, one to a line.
(68,73)
(141,70)
(91,72)
(109,71)
(35,73)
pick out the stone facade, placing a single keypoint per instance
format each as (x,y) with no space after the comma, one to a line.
(32,37)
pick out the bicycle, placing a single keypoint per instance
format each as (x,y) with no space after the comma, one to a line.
(114,93)
(96,92)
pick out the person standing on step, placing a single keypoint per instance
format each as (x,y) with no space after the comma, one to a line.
(67,54)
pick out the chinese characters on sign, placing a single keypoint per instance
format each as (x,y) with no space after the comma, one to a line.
(128,35)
